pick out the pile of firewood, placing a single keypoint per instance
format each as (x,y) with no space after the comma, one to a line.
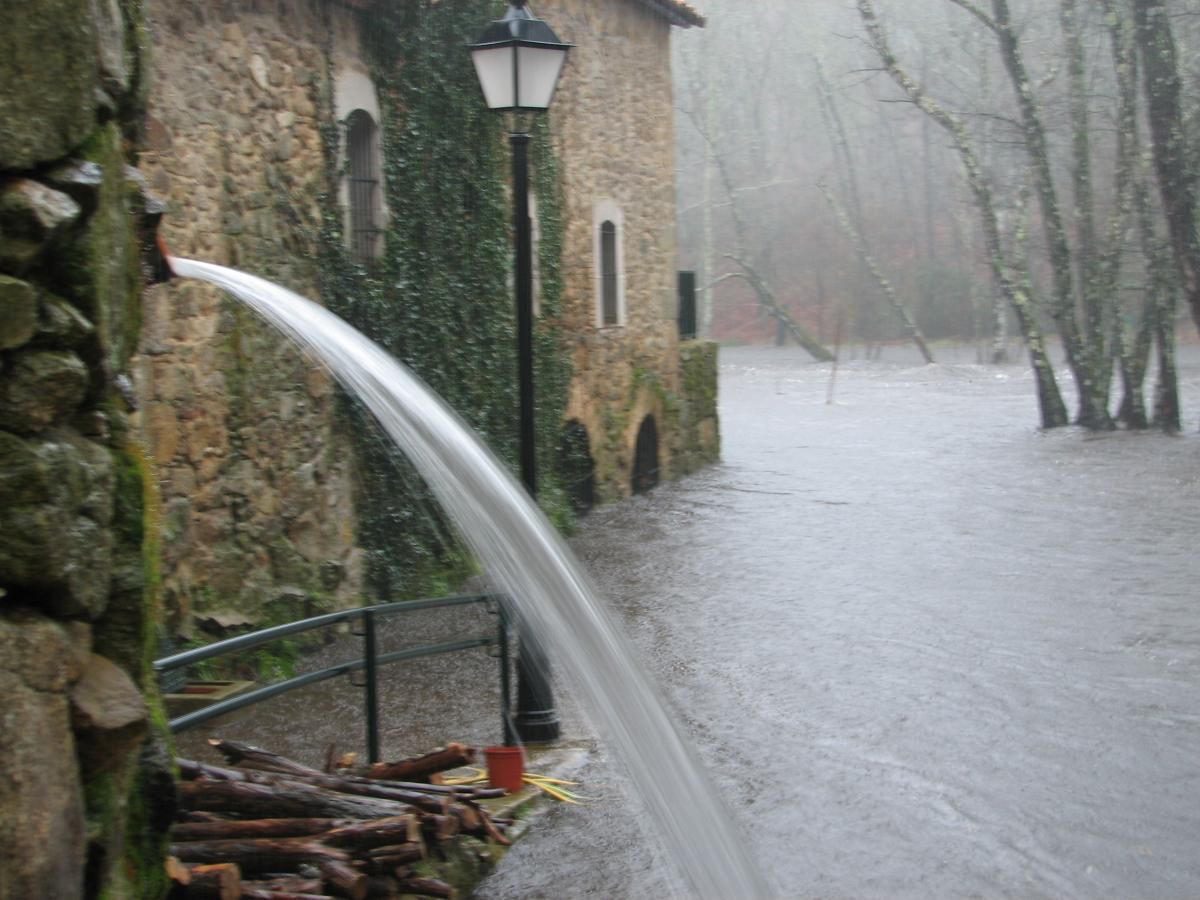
(269,828)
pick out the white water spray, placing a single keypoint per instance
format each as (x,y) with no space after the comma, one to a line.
(509,534)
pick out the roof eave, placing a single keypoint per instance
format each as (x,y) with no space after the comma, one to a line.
(676,13)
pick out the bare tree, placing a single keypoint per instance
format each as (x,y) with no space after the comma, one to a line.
(1053,410)
(1176,180)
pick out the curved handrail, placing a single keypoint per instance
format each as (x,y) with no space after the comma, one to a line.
(370,661)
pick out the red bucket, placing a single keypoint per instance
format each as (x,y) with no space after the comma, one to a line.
(506,767)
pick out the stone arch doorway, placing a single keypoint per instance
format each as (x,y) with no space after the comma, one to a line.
(577,467)
(645,457)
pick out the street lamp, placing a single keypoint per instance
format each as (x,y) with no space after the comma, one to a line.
(518,60)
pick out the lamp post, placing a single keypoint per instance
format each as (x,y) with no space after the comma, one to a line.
(518,60)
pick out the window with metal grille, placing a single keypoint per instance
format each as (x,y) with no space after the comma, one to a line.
(363,181)
(610,308)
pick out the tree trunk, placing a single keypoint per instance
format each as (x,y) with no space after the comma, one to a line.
(885,286)
(421,767)
(1093,396)
(282,799)
(1053,411)
(1176,183)
(254,828)
(258,856)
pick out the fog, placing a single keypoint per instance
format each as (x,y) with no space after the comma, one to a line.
(776,98)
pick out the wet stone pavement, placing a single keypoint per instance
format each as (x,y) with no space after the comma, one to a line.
(924,649)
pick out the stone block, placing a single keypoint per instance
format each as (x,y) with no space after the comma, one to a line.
(18,312)
(48,66)
(78,178)
(42,833)
(162,429)
(55,499)
(60,324)
(109,715)
(41,387)
(31,216)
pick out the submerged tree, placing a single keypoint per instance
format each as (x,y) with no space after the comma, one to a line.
(1176,179)
(1007,277)
(1082,261)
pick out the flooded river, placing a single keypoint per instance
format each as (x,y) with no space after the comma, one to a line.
(925,649)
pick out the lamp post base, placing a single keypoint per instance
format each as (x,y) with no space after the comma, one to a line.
(538,726)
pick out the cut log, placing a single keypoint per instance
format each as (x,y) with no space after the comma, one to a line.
(475,821)
(359,836)
(215,881)
(259,856)
(226,829)
(250,757)
(283,799)
(419,768)
(177,871)
(361,787)
(198,816)
(412,851)
(382,888)
(294,884)
(425,887)
(344,881)
(438,827)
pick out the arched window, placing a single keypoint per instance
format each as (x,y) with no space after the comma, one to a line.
(365,187)
(610,264)
(609,310)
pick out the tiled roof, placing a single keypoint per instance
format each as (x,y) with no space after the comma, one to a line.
(678,12)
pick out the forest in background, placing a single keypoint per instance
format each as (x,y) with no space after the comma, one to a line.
(873,171)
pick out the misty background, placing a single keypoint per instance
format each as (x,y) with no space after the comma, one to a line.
(820,205)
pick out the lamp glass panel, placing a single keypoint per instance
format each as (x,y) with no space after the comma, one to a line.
(537,74)
(494,66)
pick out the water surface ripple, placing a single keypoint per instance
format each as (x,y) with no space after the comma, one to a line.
(928,650)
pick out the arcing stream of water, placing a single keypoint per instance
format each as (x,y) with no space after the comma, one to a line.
(522,551)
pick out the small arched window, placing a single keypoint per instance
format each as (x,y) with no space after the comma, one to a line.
(365,187)
(610,314)
(610,265)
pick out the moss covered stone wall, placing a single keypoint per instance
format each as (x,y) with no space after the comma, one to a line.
(259,521)
(85,786)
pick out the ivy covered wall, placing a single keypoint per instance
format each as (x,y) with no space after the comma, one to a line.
(277,499)
(440,298)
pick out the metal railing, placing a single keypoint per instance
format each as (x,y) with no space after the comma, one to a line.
(370,661)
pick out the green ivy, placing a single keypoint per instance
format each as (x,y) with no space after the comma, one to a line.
(439,299)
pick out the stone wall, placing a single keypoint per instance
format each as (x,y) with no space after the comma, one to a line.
(699,426)
(85,790)
(257,483)
(613,122)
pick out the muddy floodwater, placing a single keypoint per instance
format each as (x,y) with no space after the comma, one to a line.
(925,649)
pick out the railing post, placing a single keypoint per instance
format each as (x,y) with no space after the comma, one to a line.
(370,653)
(510,739)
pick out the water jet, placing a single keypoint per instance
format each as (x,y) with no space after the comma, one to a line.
(550,592)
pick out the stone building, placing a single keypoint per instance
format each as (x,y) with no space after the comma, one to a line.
(260,508)
(615,130)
